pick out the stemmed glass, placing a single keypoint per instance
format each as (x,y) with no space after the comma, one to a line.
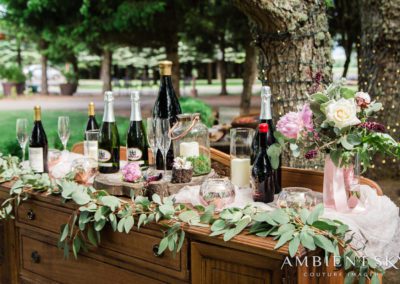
(163,140)
(63,130)
(22,134)
(151,139)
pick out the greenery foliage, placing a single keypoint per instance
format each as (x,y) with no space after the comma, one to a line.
(12,73)
(192,105)
(201,164)
(97,208)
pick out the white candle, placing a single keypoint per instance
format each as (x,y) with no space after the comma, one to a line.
(189,149)
(240,172)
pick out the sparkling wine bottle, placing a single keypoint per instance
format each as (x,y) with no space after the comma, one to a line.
(38,146)
(109,143)
(266,117)
(91,123)
(166,106)
(263,178)
(136,143)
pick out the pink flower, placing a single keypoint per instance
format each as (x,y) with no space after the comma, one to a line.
(292,123)
(363,99)
(132,172)
(352,201)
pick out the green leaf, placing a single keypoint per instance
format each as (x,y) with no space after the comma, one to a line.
(307,241)
(64,232)
(324,243)
(347,93)
(142,218)
(80,197)
(319,98)
(284,239)
(163,245)
(242,224)
(375,279)
(101,213)
(98,226)
(294,246)
(111,201)
(280,216)
(229,234)
(129,224)
(76,246)
(217,233)
(156,198)
(187,216)
(274,151)
(181,240)
(315,214)
(349,279)
(304,213)
(218,225)
(167,210)
(113,221)
(284,228)
(264,217)
(121,224)
(345,143)
(322,225)
(91,236)
(208,214)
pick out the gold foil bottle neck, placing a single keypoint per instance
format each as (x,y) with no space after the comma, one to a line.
(38,113)
(165,67)
(91,109)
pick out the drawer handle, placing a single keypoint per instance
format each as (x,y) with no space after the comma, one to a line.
(155,251)
(31,215)
(35,257)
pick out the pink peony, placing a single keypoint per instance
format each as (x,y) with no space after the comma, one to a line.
(292,123)
(132,172)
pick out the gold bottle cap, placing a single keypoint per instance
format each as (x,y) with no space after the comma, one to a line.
(38,115)
(91,109)
(165,67)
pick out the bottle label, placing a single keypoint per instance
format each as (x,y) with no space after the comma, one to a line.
(104,155)
(36,159)
(91,149)
(134,154)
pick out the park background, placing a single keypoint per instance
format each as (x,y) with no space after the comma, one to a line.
(67,53)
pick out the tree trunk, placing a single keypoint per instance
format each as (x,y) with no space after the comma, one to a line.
(171,49)
(106,70)
(295,42)
(379,67)
(347,49)
(209,73)
(44,86)
(19,56)
(75,68)
(249,76)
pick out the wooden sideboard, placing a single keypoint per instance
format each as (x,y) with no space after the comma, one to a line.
(29,254)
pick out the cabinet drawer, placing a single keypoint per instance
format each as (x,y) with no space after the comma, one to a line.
(43,215)
(44,259)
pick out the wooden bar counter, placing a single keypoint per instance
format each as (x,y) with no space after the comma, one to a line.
(29,252)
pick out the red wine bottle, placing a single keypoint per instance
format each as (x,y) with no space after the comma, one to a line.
(91,123)
(263,178)
(38,146)
(167,107)
(266,117)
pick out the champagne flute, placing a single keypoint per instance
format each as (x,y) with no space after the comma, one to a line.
(163,140)
(63,130)
(22,134)
(151,139)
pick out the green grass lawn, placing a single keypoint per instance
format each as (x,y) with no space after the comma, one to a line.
(9,143)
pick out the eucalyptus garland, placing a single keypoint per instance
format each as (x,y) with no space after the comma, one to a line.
(97,209)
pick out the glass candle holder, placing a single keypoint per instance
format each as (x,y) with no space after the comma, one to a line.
(217,191)
(91,144)
(240,151)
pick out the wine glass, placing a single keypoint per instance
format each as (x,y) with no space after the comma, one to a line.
(151,139)
(163,140)
(22,134)
(63,130)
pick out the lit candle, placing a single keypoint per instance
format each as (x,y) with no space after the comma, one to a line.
(189,149)
(240,172)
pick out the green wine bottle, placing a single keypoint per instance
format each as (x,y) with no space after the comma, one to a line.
(137,149)
(38,145)
(108,138)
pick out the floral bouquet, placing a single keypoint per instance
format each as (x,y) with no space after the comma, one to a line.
(335,121)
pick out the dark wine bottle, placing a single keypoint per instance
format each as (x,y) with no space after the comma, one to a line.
(136,142)
(166,106)
(266,117)
(109,143)
(263,178)
(91,123)
(38,146)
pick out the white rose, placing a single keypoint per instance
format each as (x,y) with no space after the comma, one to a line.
(363,99)
(343,113)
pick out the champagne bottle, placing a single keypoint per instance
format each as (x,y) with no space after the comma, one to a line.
(38,146)
(109,143)
(263,178)
(166,106)
(266,117)
(91,123)
(136,143)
